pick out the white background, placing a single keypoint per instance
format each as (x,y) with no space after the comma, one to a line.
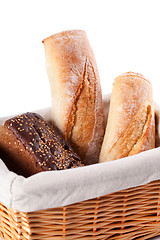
(124,35)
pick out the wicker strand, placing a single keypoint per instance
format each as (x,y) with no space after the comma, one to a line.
(158,207)
(123,213)
(95,217)
(64,222)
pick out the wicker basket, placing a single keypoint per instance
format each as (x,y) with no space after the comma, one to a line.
(129,214)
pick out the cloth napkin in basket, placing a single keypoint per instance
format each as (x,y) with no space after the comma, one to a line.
(60,188)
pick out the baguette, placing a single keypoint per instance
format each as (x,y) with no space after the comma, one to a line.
(77,108)
(131,124)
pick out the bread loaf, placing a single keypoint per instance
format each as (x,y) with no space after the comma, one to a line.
(29,145)
(77,108)
(131,124)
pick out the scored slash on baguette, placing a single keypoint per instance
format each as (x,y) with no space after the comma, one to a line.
(77,108)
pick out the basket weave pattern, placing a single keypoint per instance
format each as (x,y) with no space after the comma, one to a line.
(129,214)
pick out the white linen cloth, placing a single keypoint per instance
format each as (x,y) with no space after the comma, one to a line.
(60,188)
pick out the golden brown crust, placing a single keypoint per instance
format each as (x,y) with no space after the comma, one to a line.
(135,75)
(83,113)
(77,108)
(131,125)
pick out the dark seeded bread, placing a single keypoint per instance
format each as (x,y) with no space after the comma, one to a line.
(29,145)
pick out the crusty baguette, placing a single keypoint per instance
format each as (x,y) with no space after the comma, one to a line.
(77,108)
(131,123)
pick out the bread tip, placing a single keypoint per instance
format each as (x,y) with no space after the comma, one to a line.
(132,74)
(65,33)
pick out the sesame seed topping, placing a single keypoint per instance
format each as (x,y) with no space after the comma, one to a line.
(47,146)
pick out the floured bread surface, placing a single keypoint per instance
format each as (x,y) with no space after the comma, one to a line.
(77,108)
(131,124)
